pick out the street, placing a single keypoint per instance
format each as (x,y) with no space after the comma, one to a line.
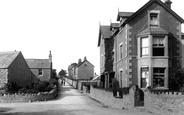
(69,102)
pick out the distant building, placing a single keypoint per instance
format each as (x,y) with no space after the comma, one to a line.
(41,68)
(84,70)
(13,68)
(70,70)
(147,44)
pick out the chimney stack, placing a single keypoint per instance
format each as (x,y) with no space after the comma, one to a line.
(85,58)
(50,57)
(80,61)
(168,3)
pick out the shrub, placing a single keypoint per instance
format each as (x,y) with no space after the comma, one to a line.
(11,87)
(176,80)
(43,86)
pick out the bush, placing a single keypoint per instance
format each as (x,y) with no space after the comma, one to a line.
(11,87)
(176,80)
(43,86)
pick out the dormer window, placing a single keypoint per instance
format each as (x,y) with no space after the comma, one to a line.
(154,20)
(153,17)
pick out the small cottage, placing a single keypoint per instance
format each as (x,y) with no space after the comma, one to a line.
(13,68)
(41,68)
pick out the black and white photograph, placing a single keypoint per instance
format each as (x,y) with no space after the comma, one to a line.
(91,57)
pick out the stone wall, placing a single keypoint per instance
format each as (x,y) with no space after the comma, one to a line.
(165,103)
(107,99)
(162,103)
(18,98)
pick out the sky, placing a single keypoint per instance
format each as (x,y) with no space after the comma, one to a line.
(67,28)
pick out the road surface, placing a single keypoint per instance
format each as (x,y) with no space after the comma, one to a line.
(69,102)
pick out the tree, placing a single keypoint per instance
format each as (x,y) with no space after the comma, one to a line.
(54,74)
(62,73)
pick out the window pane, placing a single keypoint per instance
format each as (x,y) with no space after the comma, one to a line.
(154,19)
(145,42)
(158,77)
(158,51)
(145,51)
(158,41)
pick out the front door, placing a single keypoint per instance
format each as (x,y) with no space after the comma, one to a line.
(144,77)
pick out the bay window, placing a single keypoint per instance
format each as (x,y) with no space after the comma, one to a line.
(158,77)
(158,46)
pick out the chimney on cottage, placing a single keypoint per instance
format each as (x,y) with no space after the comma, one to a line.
(85,58)
(50,57)
(168,3)
(80,61)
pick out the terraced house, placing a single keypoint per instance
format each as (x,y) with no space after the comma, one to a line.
(148,43)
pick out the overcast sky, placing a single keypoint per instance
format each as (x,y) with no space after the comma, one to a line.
(69,28)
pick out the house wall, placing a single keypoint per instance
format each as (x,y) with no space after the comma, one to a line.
(120,64)
(19,72)
(3,77)
(139,23)
(102,56)
(108,55)
(85,72)
(45,76)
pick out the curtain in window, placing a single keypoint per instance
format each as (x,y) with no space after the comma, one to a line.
(158,41)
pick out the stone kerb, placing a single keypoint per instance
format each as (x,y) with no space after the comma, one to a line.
(18,98)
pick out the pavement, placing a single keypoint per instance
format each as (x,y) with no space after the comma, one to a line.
(69,102)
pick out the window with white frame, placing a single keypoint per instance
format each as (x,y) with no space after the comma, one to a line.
(154,19)
(158,45)
(144,46)
(40,72)
(158,77)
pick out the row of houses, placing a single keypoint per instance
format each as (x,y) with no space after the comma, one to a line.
(142,47)
(83,70)
(25,72)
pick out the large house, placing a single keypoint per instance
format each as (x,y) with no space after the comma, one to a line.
(13,68)
(41,68)
(84,70)
(148,43)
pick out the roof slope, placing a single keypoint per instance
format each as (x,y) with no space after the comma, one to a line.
(124,15)
(153,30)
(6,58)
(38,63)
(105,32)
(147,4)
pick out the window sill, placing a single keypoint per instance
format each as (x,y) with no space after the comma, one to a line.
(161,88)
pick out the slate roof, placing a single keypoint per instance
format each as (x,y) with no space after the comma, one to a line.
(114,25)
(153,30)
(6,58)
(84,62)
(105,32)
(124,15)
(147,4)
(38,63)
